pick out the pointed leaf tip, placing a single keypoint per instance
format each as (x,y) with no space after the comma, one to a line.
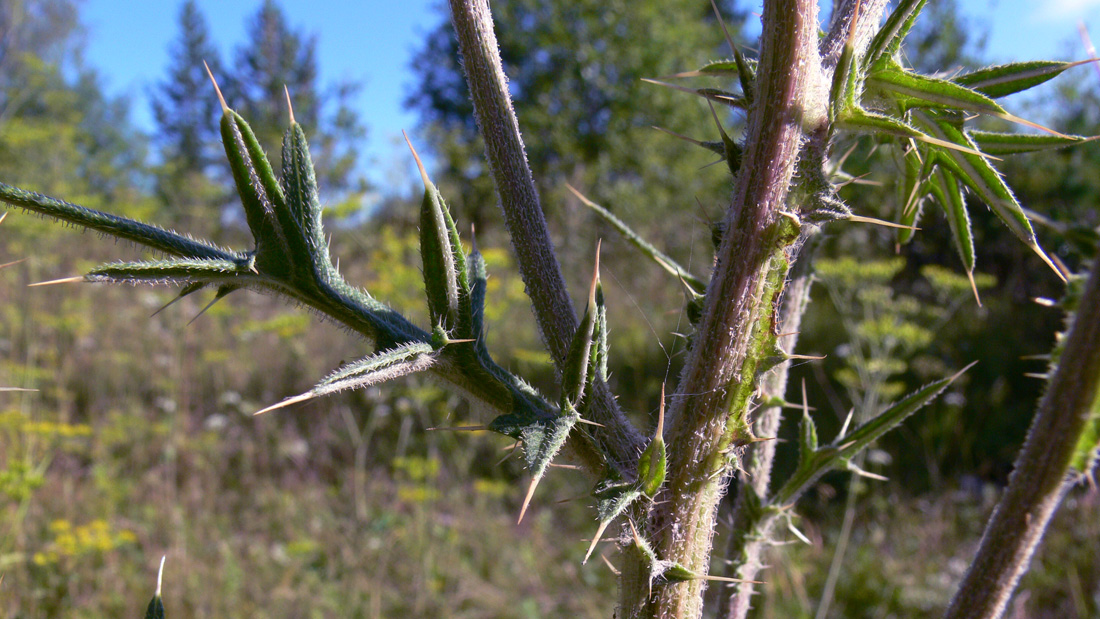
(527,499)
(221,99)
(595,276)
(287,402)
(423,172)
(63,280)
(289,105)
(595,540)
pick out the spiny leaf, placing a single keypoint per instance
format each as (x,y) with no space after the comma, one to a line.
(668,264)
(807,432)
(1006,79)
(479,281)
(746,74)
(864,121)
(176,272)
(600,344)
(541,442)
(912,190)
(652,464)
(888,40)
(445,278)
(977,173)
(947,192)
(377,368)
(612,498)
(299,182)
(714,94)
(151,236)
(579,357)
(910,90)
(994,143)
(828,457)
(256,183)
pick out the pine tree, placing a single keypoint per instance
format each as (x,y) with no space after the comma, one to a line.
(186,116)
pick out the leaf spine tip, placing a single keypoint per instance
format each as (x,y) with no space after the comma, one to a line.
(595,540)
(287,402)
(63,280)
(423,172)
(221,99)
(289,105)
(527,499)
(973,286)
(160,574)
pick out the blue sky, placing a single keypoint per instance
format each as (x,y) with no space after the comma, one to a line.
(372,42)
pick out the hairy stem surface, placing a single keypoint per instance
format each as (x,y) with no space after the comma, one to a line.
(1041,476)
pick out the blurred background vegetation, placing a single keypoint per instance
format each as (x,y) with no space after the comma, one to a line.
(139,441)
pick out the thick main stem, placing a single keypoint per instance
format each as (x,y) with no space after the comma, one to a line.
(1041,476)
(710,409)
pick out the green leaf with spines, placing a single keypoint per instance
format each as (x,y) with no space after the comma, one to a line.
(836,454)
(664,261)
(807,438)
(446,282)
(746,75)
(299,182)
(180,272)
(844,93)
(980,176)
(887,41)
(479,282)
(1007,79)
(600,346)
(945,188)
(147,235)
(912,190)
(999,144)
(908,90)
(256,183)
(379,367)
(579,360)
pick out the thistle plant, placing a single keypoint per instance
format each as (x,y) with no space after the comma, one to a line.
(804,95)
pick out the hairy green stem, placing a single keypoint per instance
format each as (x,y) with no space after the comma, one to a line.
(1041,476)
(524,218)
(745,557)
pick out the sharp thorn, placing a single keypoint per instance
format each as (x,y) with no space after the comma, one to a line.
(660,432)
(17,389)
(527,499)
(730,579)
(609,566)
(221,99)
(460,429)
(595,540)
(13,262)
(289,105)
(63,280)
(568,467)
(591,423)
(287,402)
(880,222)
(974,286)
(160,574)
(1036,375)
(1044,301)
(203,310)
(1042,255)
(419,164)
(3,217)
